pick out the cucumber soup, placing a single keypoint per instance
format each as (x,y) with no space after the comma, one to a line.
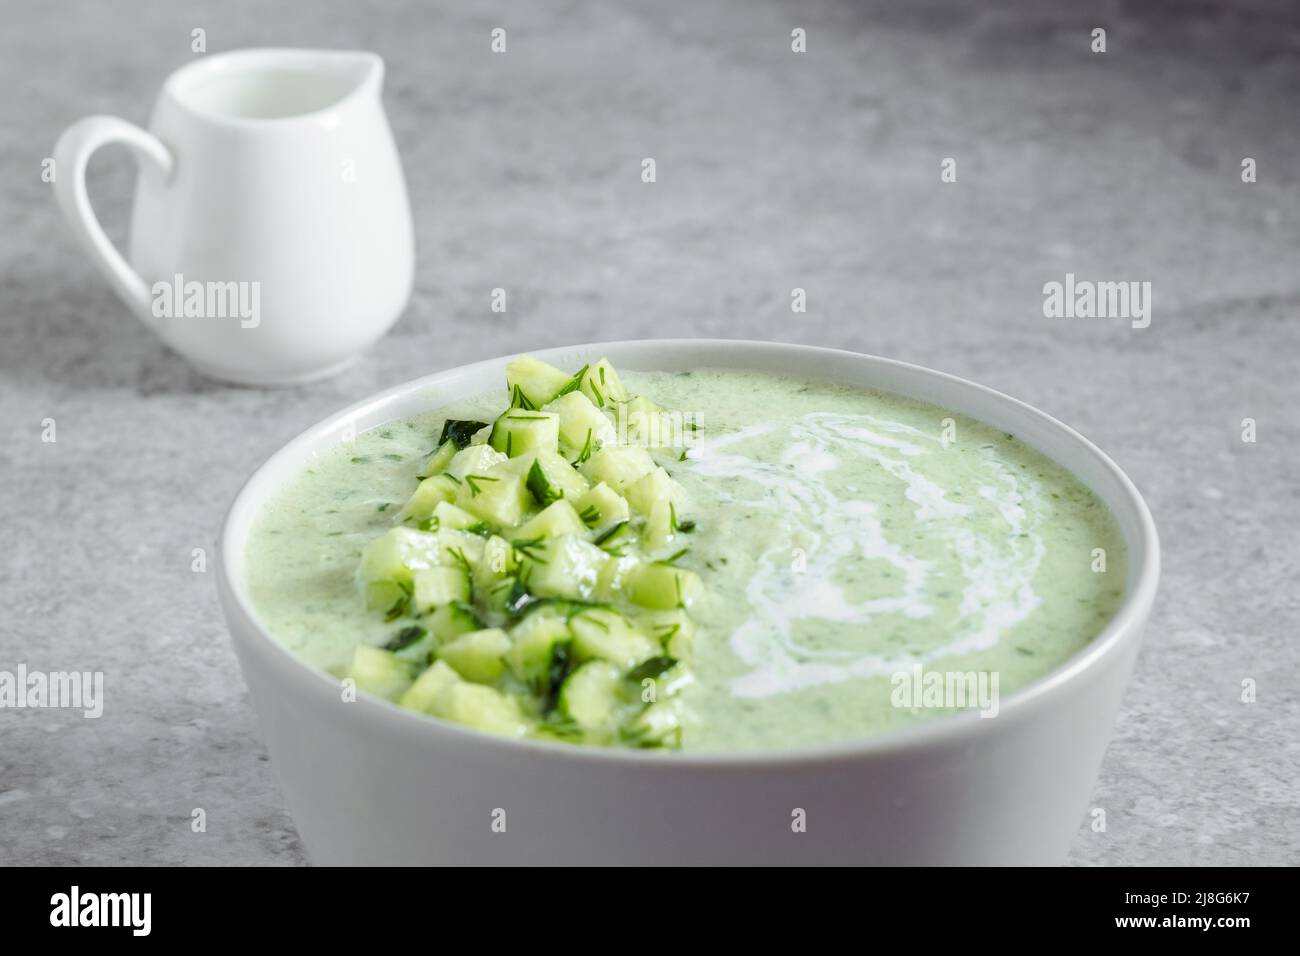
(710,560)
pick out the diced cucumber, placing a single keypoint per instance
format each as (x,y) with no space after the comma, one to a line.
(499,601)
(611,586)
(397,553)
(391,597)
(674,629)
(499,498)
(659,677)
(451,620)
(607,635)
(478,655)
(662,586)
(480,707)
(437,462)
(601,384)
(518,432)
(550,477)
(532,383)
(412,643)
(460,432)
(616,539)
(556,519)
(583,426)
(497,562)
(642,422)
(381,672)
(474,460)
(601,507)
(533,532)
(681,644)
(461,547)
(447,515)
(564,567)
(619,466)
(431,682)
(533,643)
(400,552)
(591,694)
(430,492)
(659,725)
(435,587)
(658,531)
(651,488)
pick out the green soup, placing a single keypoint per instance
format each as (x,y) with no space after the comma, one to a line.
(852,545)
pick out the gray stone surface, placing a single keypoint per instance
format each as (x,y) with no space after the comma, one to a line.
(775,170)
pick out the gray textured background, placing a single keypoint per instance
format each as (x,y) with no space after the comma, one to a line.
(775,171)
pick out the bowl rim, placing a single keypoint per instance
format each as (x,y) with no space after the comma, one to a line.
(962,728)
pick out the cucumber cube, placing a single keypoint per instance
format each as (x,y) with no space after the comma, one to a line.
(426,497)
(533,643)
(451,620)
(480,707)
(652,487)
(435,587)
(659,725)
(432,682)
(591,694)
(642,422)
(673,629)
(477,656)
(583,426)
(601,507)
(553,521)
(447,515)
(611,586)
(385,595)
(497,562)
(549,476)
(601,384)
(658,532)
(533,381)
(500,498)
(437,462)
(518,432)
(617,539)
(607,635)
(619,466)
(663,587)
(476,459)
(381,672)
(397,553)
(563,567)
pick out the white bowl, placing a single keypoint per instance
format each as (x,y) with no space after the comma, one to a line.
(368,782)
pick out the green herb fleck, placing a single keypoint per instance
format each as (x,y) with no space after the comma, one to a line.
(459,431)
(519,400)
(528,546)
(543,491)
(651,669)
(403,602)
(406,637)
(586,450)
(613,530)
(473,482)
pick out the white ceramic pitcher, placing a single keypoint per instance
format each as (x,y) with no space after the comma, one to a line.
(271,237)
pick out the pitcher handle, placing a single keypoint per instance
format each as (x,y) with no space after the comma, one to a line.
(71,155)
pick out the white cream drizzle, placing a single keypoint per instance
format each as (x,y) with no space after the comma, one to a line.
(998,566)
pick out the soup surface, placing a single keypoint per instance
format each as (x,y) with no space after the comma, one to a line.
(866,561)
